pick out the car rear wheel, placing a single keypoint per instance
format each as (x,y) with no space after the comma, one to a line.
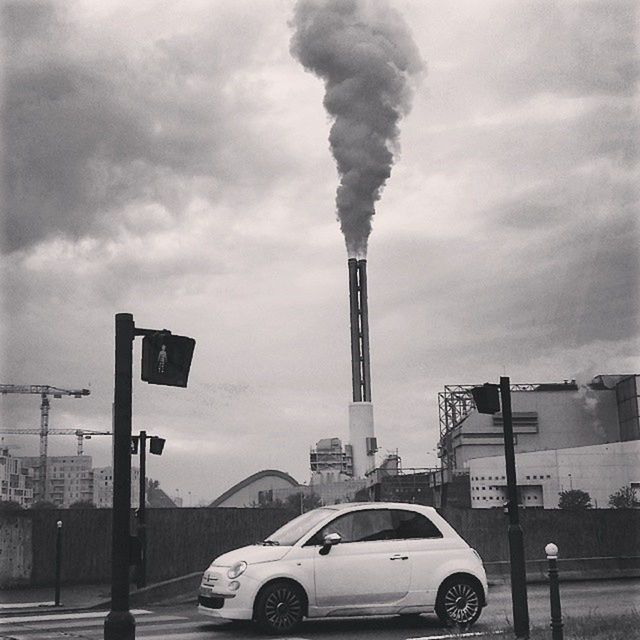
(459,602)
(280,608)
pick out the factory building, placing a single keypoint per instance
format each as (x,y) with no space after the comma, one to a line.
(330,461)
(543,475)
(16,479)
(562,432)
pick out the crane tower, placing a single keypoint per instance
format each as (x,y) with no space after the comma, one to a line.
(44,391)
(80,434)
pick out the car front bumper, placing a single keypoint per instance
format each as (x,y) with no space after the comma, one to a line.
(219,602)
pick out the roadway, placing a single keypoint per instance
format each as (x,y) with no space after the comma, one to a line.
(182,622)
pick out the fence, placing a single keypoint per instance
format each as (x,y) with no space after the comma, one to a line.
(182,541)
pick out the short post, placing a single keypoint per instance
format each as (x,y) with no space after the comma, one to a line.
(58,560)
(554,592)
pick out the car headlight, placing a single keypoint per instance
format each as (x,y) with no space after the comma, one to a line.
(237,569)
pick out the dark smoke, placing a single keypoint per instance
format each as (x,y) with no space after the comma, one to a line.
(363,51)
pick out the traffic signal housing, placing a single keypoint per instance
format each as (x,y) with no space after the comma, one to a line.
(487,398)
(156,445)
(166,359)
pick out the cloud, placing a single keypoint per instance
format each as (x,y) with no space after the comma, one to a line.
(99,127)
(172,162)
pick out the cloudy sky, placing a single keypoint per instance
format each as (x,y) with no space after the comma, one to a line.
(170,159)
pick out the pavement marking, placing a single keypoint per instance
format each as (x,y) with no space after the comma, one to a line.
(65,616)
(469,634)
(26,605)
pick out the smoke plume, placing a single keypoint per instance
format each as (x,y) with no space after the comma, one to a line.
(363,51)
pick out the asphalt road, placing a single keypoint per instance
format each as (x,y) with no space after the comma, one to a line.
(182,622)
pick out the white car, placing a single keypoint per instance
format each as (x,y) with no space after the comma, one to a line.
(349,560)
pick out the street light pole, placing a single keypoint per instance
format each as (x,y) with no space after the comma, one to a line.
(516,540)
(120,623)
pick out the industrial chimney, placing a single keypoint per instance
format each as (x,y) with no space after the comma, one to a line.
(361,435)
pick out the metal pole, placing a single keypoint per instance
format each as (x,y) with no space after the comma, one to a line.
(516,541)
(58,560)
(554,592)
(142,523)
(120,624)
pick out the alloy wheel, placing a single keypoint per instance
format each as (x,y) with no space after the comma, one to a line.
(461,603)
(282,609)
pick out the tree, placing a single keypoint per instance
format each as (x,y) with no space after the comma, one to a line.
(82,504)
(302,502)
(10,505)
(574,500)
(624,498)
(44,504)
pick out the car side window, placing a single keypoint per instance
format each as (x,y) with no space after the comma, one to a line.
(409,525)
(359,526)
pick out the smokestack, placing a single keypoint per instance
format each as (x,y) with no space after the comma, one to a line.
(359,315)
(361,438)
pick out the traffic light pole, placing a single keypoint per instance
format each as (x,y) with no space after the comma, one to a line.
(171,369)
(516,540)
(142,524)
(120,623)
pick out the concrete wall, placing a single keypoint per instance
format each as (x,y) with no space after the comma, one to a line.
(182,541)
(16,552)
(583,534)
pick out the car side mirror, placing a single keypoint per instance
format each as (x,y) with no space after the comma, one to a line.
(329,541)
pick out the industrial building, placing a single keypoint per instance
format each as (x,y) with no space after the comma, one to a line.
(562,432)
(543,475)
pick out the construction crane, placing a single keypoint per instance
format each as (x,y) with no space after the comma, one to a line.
(81,434)
(44,391)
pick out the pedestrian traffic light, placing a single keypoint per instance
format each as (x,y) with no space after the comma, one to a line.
(487,398)
(134,444)
(166,358)
(156,445)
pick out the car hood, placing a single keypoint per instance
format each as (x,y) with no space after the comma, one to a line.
(252,554)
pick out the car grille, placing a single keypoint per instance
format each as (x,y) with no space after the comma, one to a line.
(211,602)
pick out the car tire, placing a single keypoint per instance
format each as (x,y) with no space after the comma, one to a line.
(459,602)
(280,607)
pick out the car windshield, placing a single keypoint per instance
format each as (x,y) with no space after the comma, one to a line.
(290,533)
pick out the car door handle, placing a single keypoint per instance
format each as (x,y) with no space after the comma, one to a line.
(399,557)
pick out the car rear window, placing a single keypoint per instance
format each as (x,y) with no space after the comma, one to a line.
(409,525)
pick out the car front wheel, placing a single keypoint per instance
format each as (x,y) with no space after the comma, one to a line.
(459,602)
(280,608)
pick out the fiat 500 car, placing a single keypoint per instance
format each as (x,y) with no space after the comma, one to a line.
(349,560)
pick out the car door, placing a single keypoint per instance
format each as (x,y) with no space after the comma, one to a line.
(367,567)
(427,549)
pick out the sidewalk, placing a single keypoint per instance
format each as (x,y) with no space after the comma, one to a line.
(96,596)
(72,597)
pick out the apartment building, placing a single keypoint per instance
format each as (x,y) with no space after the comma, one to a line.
(102,493)
(16,479)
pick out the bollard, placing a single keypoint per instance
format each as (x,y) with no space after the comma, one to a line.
(58,560)
(554,592)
